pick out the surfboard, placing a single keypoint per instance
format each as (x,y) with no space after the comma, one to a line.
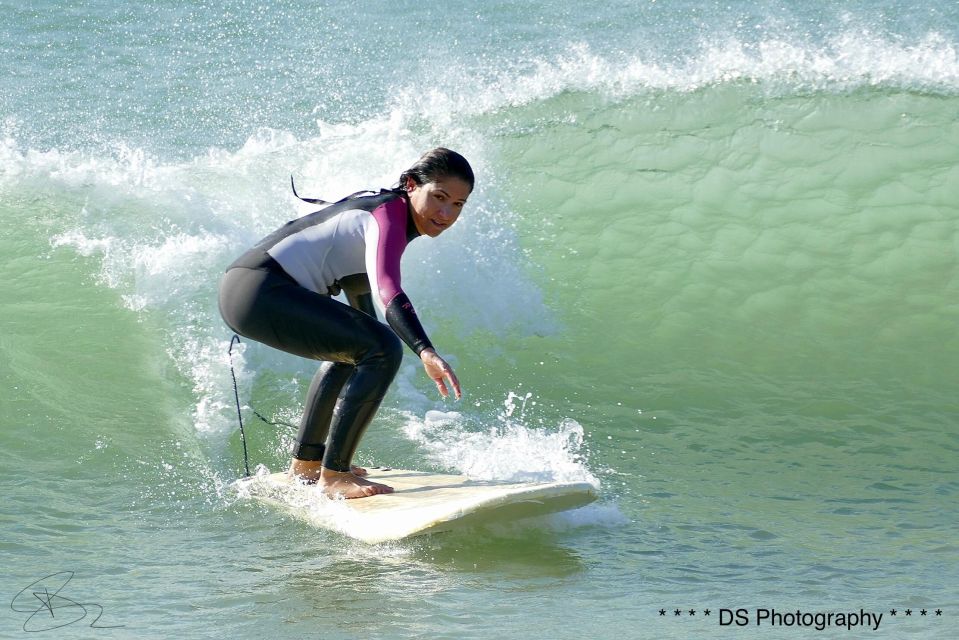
(422,503)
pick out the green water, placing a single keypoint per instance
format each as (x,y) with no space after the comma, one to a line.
(711,262)
(811,239)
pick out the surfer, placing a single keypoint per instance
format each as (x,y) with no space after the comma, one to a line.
(281,291)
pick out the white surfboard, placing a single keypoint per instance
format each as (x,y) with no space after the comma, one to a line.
(421,502)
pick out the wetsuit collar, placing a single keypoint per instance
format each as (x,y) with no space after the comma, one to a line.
(411,231)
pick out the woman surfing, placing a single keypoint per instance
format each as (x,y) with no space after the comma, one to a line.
(280,293)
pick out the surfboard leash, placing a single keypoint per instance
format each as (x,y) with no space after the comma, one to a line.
(239,413)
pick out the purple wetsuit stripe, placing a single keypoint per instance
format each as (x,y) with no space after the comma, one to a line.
(391,219)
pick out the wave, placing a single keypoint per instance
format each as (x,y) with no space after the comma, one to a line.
(783,60)
(161,232)
(850,60)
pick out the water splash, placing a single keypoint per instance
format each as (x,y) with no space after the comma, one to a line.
(509,450)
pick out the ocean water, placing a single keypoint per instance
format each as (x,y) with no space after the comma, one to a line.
(710,264)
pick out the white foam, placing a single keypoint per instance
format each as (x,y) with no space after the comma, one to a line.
(312,505)
(853,58)
(598,514)
(508,450)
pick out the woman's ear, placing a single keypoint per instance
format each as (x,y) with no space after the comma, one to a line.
(410,183)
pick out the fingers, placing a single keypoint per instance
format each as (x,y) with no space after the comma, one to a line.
(441,374)
(448,374)
(454,381)
(451,378)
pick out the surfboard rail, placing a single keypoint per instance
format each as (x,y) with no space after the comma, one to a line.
(422,502)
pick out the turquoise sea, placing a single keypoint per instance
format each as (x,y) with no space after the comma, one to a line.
(710,263)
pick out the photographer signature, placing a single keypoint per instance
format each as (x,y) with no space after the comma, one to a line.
(49,610)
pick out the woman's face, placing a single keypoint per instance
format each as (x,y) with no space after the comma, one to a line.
(437,205)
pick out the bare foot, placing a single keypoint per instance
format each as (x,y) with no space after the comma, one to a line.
(336,484)
(309,471)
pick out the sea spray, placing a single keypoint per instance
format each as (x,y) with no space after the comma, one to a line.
(163,232)
(509,449)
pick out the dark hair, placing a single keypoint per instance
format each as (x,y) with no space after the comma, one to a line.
(437,164)
(432,166)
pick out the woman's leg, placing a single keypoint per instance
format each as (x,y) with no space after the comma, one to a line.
(318,413)
(344,397)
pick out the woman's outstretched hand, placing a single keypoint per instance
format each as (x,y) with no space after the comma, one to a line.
(440,373)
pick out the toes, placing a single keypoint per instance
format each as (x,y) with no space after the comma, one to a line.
(357,489)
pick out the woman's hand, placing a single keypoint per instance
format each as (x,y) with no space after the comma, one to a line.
(440,372)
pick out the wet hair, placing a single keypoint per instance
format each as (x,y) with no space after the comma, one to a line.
(432,166)
(437,164)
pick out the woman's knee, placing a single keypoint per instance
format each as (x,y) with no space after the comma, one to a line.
(386,353)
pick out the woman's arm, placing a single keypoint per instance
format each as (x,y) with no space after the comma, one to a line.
(385,243)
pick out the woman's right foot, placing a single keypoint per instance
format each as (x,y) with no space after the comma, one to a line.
(343,484)
(309,471)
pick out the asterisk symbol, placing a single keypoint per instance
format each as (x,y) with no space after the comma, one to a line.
(662,612)
(706,612)
(692,612)
(908,612)
(676,612)
(938,612)
(893,612)
(923,612)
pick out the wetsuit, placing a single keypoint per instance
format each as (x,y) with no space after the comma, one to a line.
(279,293)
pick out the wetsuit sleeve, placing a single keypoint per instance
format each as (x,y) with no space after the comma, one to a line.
(357,290)
(363,302)
(385,243)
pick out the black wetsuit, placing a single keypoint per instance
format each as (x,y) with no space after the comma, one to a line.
(279,293)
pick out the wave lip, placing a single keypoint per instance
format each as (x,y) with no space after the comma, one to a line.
(852,59)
